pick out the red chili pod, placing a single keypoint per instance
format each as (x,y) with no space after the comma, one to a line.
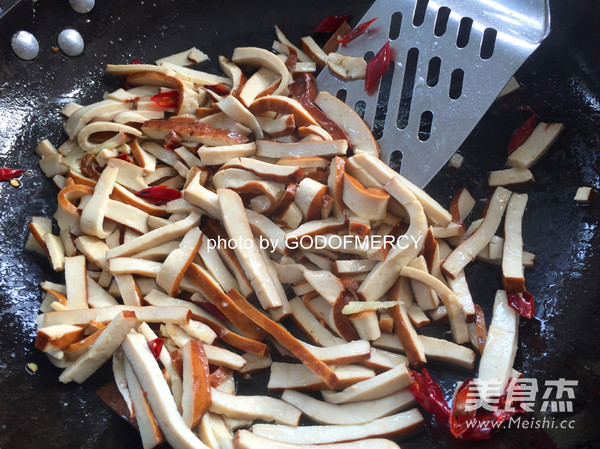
(159,195)
(360,29)
(156,346)
(166,99)
(376,67)
(6,174)
(429,395)
(331,23)
(219,89)
(136,61)
(522,133)
(522,303)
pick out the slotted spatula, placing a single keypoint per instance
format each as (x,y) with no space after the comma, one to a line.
(451,59)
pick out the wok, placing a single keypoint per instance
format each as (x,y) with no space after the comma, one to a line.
(562,82)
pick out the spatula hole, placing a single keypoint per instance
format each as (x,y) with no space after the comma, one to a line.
(441,21)
(396,160)
(420,10)
(368,56)
(395,25)
(407,87)
(359,108)
(464,31)
(341,94)
(433,72)
(425,127)
(456,83)
(488,42)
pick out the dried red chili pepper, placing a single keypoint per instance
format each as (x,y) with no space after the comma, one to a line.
(135,61)
(219,89)
(429,395)
(376,67)
(6,174)
(522,133)
(125,157)
(166,99)
(156,346)
(331,23)
(522,303)
(159,194)
(360,29)
(479,424)
(212,309)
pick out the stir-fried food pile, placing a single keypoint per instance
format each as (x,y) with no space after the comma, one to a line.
(214,226)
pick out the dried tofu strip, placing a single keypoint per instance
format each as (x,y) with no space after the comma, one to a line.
(101,350)
(155,237)
(118,367)
(377,387)
(76,283)
(175,265)
(247,440)
(413,347)
(298,376)
(92,215)
(342,354)
(399,424)
(263,58)
(510,176)
(214,432)
(435,349)
(500,348)
(196,384)
(460,287)
(254,407)
(383,276)
(276,150)
(158,393)
(214,264)
(456,314)
(149,430)
(149,314)
(218,155)
(513,278)
(464,253)
(311,326)
(130,293)
(530,151)
(348,414)
(238,228)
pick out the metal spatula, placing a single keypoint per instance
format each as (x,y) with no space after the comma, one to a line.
(451,58)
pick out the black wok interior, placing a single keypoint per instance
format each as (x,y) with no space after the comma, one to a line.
(562,83)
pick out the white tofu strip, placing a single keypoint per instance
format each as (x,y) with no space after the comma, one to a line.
(298,376)
(325,284)
(513,277)
(436,349)
(127,215)
(222,154)
(118,367)
(377,387)
(93,249)
(413,347)
(214,432)
(245,439)
(198,195)
(460,288)
(172,373)
(399,424)
(215,265)
(238,112)
(155,237)
(150,314)
(247,252)
(158,394)
(58,336)
(254,407)
(92,215)
(180,337)
(456,315)
(424,296)
(255,363)
(382,360)
(383,276)
(500,348)
(262,225)
(348,414)
(149,431)
(536,145)
(160,299)
(76,283)
(97,296)
(509,176)
(466,252)
(175,265)
(382,173)
(342,354)
(130,293)
(353,266)
(56,251)
(100,350)
(133,265)
(277,150)
(311,326)
(263,58)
